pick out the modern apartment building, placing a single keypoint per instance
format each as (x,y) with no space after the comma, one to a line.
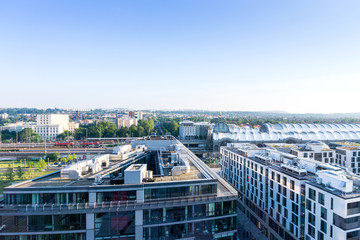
(292,198)
(349,157)
(189,130)
(315,150)
(156,189)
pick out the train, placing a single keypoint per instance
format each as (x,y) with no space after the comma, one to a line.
(64,144)
(90,144)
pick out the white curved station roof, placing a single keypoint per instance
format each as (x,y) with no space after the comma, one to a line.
(298,132)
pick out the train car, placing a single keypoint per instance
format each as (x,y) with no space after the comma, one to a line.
(107,141)
(64,144)
(90,144)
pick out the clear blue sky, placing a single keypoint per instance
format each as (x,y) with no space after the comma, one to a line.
(296,56)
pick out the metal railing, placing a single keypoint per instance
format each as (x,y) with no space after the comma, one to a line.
(115,205)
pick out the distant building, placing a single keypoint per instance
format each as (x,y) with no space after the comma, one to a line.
(139,115)
(4,115)
(126,122)
(194,130)
(289,133)
(17,127)
(131,114)
(50,125)
(86,122)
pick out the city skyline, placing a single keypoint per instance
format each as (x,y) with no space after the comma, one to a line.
(298,57)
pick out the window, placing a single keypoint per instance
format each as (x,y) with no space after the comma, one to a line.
(312,194)
(332,204)
(292,184)
(323,213)
(311,219)
(284,181)
(292,195)
(323,226)
(331,231)
(311,231)
(321,198)
(308,204)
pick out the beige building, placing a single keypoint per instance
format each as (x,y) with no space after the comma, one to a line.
(126,122)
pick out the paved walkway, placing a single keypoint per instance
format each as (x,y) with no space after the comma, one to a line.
(247,230)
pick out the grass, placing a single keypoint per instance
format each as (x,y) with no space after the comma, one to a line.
(4,182)
(5,163)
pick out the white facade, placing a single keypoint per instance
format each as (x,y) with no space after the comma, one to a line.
(315,150)
(4,115)
(292,198)
(187,130)
(17,127)
(52,119)
(139,115)
(126,122)
(193,130)
(50,125)
(349,157)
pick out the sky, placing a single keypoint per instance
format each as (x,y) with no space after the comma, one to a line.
(229,55)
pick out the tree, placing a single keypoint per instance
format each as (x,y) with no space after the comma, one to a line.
(53,157)
(122,132)
(20,172)
(64,160)
(28,134)
(141,131)
(64,135)
(69,158)
(41,164)
(10,175)
(30,170)
(80,133)
(74,156)
(133,131)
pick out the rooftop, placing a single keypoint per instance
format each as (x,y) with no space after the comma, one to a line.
(332,178)
(196,170)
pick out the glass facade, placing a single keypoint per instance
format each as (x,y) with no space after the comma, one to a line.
(41,223)
(115,225)
(174,192)
(47,198)
(199,230)
(115,196)
(63,236)
(175,214)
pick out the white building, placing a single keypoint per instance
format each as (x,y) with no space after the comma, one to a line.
(52,119)
(17,127)
(194,130)
(126,122)
(139,115)
(315,150)
(349,157)
(4,115)
(50,125)
(292,198)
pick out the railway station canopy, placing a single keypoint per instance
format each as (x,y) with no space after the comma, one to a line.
(290,133)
